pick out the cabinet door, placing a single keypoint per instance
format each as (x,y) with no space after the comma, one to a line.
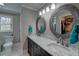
(44,53)
(30,47)
(36,50)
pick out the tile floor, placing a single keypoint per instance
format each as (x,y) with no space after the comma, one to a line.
(16,51)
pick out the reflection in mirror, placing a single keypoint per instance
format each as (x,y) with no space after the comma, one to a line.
(40,25)
(54,23)
(66,24)
(63,20)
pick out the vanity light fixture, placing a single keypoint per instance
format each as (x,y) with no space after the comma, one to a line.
(53,6)
(43,11)
(40,13)
(47,9)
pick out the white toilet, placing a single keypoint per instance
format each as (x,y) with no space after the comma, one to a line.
(8,43)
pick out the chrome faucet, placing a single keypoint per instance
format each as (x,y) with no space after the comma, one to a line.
(60,40)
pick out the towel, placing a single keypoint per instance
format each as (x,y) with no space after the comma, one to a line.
(74,34)
(42,29)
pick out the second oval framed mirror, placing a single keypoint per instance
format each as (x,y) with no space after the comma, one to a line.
(40,25)
(63,19)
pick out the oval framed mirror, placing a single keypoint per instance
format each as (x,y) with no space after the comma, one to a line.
(40,25)
(63,19)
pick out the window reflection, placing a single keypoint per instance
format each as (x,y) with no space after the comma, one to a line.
(5,23)
(54,23)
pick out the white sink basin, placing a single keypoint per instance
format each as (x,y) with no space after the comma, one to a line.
(60,50)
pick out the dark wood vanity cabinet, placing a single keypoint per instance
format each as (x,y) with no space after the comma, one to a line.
(35,50)
(30,46)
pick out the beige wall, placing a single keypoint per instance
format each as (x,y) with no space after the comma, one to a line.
(27,17)
(16,28)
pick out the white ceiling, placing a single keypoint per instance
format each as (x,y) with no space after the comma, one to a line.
(16,7)
(33,6)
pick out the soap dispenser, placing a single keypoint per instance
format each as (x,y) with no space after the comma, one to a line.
(30,29)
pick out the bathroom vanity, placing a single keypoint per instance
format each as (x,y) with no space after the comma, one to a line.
(35,50)
(40,46)
(61,23)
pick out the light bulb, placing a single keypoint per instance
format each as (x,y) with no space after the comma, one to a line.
(53,6)
(40,13)
(47,9)
(43,11)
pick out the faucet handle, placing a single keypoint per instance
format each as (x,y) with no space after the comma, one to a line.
(59,40)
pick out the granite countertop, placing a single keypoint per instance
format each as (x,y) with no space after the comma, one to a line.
(52,47)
